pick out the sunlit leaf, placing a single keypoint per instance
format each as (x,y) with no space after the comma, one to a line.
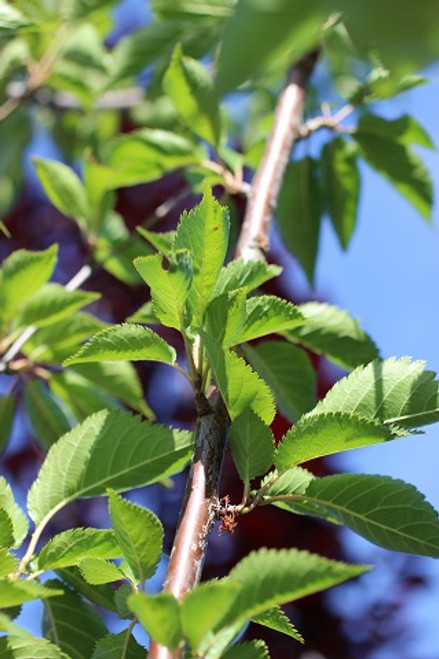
(122,342)
(240,386)
(97,571)
(160,616)
(191,89)
(276,619)
(66,548)
(169,288)
(395,391)
(17,516)
(316,435)
(203,232)
(139,533)
(109,449)
(386,511)
(64,189)
(113,645)
(51,304)
(22,274)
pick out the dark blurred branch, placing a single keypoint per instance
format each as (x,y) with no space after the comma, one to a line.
(253,241)
(201,505)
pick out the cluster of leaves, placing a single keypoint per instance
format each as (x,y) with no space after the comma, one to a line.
(73,392)
(210,304)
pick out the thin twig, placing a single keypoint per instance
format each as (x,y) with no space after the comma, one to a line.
(81,276)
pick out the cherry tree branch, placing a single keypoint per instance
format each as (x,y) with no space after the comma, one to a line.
(200,505)
(253,240)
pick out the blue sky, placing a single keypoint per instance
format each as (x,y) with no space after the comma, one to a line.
(389,279)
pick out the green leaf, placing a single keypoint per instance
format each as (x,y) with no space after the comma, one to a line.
(276,619)
(204,607)
(298,213)
(142,47)
(22,274)
(113,646)
(203,232)
(341,180)
(117,379)
(259,32)
(240,386)
(57,342)
(244,274)
(20,644)
(192,10)
(139,533)
(271,577)
(382,83)
(49,419)
(6,529)
(17,516)
(51,304)
(294,481)
(20,591)
(87,9)
(288,372)
(101,595)
(333,332)
(120,600)
(247,650)
(402,167)
(316,435)
(252,445)
(7,408)
(11,18)
(169,288)
(148,154)
(80,396)
(395,391)
(8,562)
(15,134)
(66,548)
(144,315)
(116,248)
(161,240)
(266,314)
(191,89)
(225,316)
(122,342)
(97,571)
(109,449)
(408,48)
(64,189)
(388,512)
(160,616)
(72,624)
(404,130)
(83,46)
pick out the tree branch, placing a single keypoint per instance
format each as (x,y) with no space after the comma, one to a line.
(200,504)
(253,241)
